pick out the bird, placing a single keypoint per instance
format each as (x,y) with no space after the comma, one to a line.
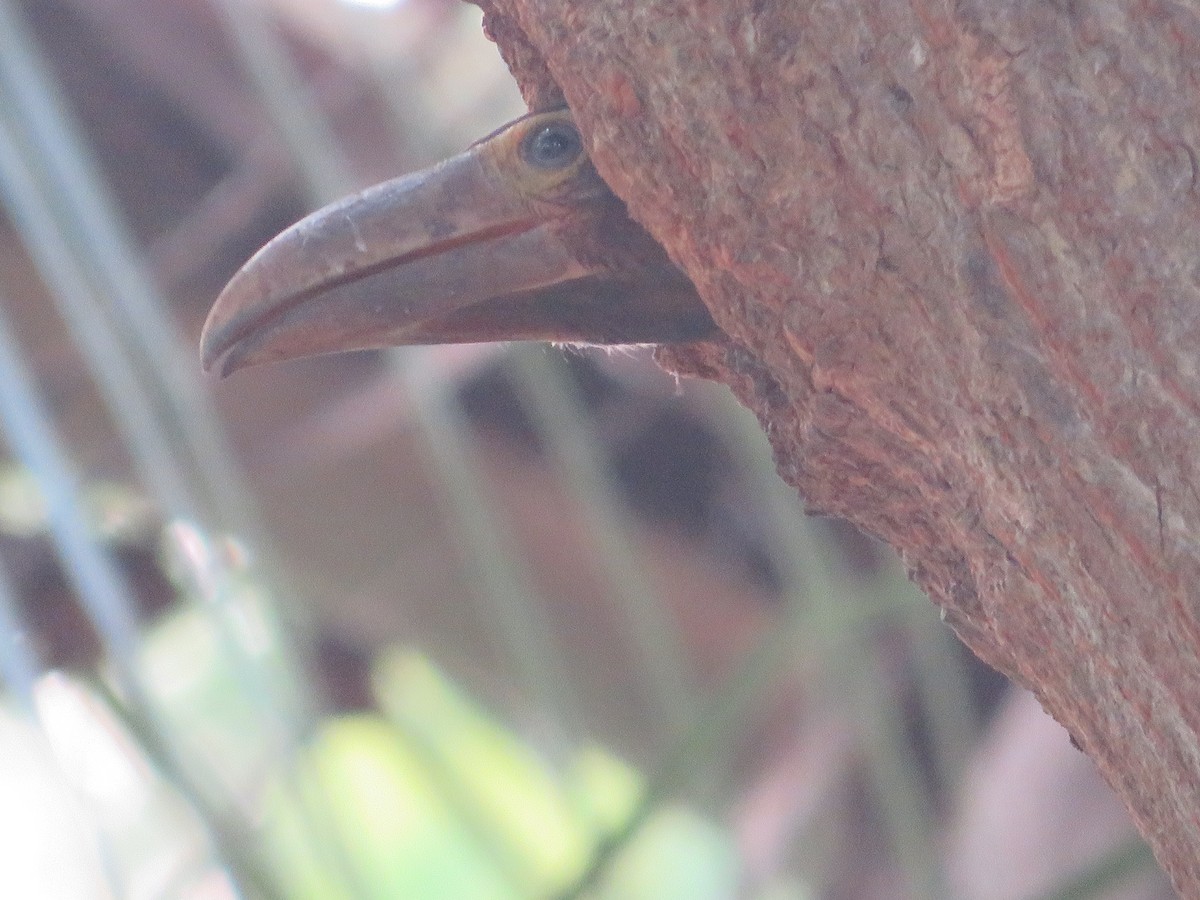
(517,238)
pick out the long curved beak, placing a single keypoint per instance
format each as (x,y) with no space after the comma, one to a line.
(456,254)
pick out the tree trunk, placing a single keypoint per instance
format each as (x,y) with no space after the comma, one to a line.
(955,248)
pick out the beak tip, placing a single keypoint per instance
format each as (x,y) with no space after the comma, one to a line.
(207,359)
(224,337)
(219,365)
(213,368)
(217,356)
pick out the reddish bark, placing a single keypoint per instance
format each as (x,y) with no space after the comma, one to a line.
(955,248)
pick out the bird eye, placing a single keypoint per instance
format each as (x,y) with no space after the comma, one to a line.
(552,146)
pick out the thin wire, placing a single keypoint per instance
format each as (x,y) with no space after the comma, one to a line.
(19,660)
(100,586)
(649,629)
(71,229)
(818,605)
(153,457)
(102,591)
(88,220)
(156,455)
(310,143)
(511,606)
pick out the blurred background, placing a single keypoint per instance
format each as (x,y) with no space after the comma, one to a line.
(466,622)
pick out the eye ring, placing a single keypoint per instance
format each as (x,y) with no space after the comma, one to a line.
(554,145)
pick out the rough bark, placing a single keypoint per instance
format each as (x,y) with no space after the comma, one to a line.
(955,249)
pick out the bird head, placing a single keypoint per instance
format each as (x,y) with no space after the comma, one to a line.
(518,238)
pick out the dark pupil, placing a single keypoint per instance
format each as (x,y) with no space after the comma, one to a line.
(553,146)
